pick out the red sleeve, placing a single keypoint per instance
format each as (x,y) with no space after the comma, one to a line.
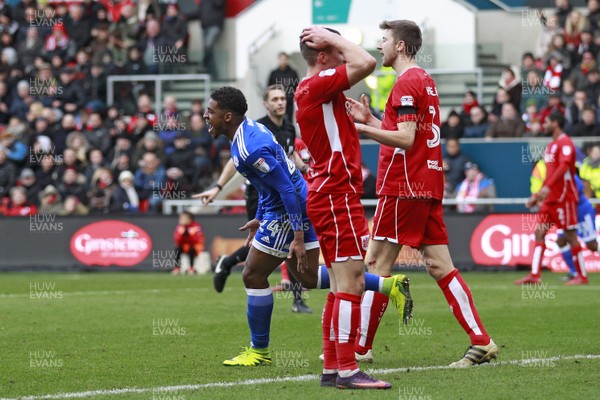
(177,235)
(405,98)
(566,154)
(329,83)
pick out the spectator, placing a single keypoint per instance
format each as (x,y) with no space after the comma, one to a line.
(528,64)
(563,9)
(15,150)
(100,46)
(59,44)
(531,116)
(452,127)
(475,186)
(28,181)
(4,102)
(175,28)
(150,144)
(533,90)
(550,28)
(124,33)
(579,74)
(77,142)
(593,17)
(554,105)
(50,201)
(499,100)
(8,173)
(212,18)
(575,25)
(588,126)
(122,146)
(573,113)
(72,206)
(125,197)
(479,123)
(587,44)
(189,240)
(287,77)
(590,171)
(71,185)
(135,65)
(121,163)
(29,48)
(96,134)
(558,49)
(17,205)
(153,42)
(454,162)
(180,164)
(469,101)
(73,95)
(512,84)
(554,71)
(47,173)
(95,162)
(78,27)
(148,10)
(100,195)
(510,124)
(592,88)
(150,179)
(202,141)
(21,101)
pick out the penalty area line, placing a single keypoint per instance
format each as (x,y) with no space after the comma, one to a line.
(299,378)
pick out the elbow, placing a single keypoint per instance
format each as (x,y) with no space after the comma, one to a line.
(408,144)
(370,64)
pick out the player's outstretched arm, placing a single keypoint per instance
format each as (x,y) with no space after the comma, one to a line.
(360,112)
(359,63)
(403,138)
(209,195)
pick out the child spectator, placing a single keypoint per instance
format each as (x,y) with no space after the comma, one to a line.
(189,241)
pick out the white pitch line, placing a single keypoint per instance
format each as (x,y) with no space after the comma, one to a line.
(299,378)
(100,292)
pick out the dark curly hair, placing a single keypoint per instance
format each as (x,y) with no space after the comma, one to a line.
(230,99)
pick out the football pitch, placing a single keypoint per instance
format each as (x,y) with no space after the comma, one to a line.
(154,336)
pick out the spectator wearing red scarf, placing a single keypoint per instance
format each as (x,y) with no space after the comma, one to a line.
(469,101)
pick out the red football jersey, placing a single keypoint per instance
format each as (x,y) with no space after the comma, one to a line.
(329,133)
(561,150)
(417,173)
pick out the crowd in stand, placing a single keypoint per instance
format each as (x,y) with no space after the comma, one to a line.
(561,74)
(63,150)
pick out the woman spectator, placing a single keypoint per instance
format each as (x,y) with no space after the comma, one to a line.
(512,84)
(559,46)
(479,123)
(77,142)
(550,28)
(125,197)
(102,187)
(150,144)
(72,206)
(469,101)
(499,100)
(554,71)
(50,201)
(509,124)
(576,23)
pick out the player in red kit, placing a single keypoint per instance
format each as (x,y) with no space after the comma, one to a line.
(335,186)
(410,184)
(558,200)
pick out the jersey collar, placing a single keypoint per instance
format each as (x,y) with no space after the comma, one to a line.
(240,130)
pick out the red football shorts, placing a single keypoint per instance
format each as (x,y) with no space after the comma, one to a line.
(562,214)
(409,222)
(341,226)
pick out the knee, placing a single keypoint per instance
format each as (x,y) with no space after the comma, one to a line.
(437,271)
(250,278)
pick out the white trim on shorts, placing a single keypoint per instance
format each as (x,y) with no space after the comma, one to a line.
(280,254)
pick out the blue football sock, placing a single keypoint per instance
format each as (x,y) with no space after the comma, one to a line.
(372,281)
(568,257)
(323,278)
(260,308)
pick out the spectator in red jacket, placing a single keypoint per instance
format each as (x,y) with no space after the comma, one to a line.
(189,239)
(17,205)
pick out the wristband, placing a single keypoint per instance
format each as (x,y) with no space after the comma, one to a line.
(218,186)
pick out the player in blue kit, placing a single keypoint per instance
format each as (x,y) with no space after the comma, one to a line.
(586,230)
(281,229)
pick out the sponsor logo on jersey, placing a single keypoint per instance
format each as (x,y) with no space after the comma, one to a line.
(566,150)
(265,239)
(327,72)
(407,101)
(261,165)
(433,164)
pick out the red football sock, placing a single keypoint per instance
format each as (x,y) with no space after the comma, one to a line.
(330,362)
(459,298)
(538,254)
(372,308)
(578,260)
(346,313)
(285,276)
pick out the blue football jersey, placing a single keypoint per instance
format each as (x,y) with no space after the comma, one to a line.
(262,161)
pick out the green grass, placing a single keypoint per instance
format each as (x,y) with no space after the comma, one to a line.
(98,334)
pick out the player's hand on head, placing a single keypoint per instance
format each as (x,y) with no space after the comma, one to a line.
(315,37)
(250,226)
